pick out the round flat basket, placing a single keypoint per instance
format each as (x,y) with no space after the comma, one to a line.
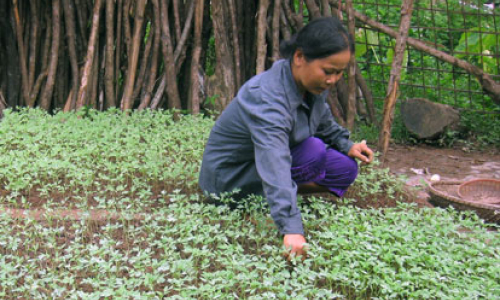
(445,193)
(485,191)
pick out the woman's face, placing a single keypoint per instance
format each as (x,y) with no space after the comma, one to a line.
(317,75)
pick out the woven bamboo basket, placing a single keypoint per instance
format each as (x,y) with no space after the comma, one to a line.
(481,190)
(445,193)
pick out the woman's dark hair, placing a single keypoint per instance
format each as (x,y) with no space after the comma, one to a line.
(320,38)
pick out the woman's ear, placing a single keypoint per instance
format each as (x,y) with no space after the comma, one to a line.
(298,58)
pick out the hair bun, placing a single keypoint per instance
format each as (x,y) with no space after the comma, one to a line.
(288,47)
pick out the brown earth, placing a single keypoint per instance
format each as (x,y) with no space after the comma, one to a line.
(418,163)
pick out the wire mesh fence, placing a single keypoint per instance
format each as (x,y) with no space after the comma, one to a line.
(468,30)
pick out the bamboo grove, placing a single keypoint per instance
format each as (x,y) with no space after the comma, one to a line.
(182,54)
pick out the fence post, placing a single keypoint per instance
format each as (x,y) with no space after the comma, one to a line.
(392,89)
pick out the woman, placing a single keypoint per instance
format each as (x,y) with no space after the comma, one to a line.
(278,135)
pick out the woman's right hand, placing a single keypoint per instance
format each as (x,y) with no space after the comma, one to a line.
(295,245)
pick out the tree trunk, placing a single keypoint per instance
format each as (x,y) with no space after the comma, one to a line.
(276,30)
(119,43)
(70,32)
(82,92)
(142,71)
(392,89)
(48,38)
(127,100)
(22,52)
(194,94)
(180,48)
(35,26)
(313,9)
(146,100)
(285,26)
(3,104)
(46,97)
(109,71)
(335,107)
(172,90)
(225,64)
(236,43)
(367,94)
(325,8)
(294,19)
(261,36)
(82,22)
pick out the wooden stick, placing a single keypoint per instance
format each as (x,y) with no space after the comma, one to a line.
(390,102)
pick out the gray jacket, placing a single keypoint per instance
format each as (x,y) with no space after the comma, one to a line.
(249,145)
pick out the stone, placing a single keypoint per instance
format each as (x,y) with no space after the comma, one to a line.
(428,120)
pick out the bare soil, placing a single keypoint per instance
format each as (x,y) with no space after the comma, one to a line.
(419,163)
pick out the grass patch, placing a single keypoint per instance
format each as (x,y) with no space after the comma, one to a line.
(187,249)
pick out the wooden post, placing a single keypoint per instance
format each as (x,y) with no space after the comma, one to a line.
(392,89)
(351,73)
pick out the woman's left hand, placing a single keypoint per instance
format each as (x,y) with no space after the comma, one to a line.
(362,152)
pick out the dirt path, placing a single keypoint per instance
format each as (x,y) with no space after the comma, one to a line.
(421,162)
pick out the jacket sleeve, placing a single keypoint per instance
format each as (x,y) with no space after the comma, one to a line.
(332,133)
(270,122)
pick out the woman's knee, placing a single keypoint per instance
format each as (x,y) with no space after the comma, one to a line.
(341,166)
(311,151)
